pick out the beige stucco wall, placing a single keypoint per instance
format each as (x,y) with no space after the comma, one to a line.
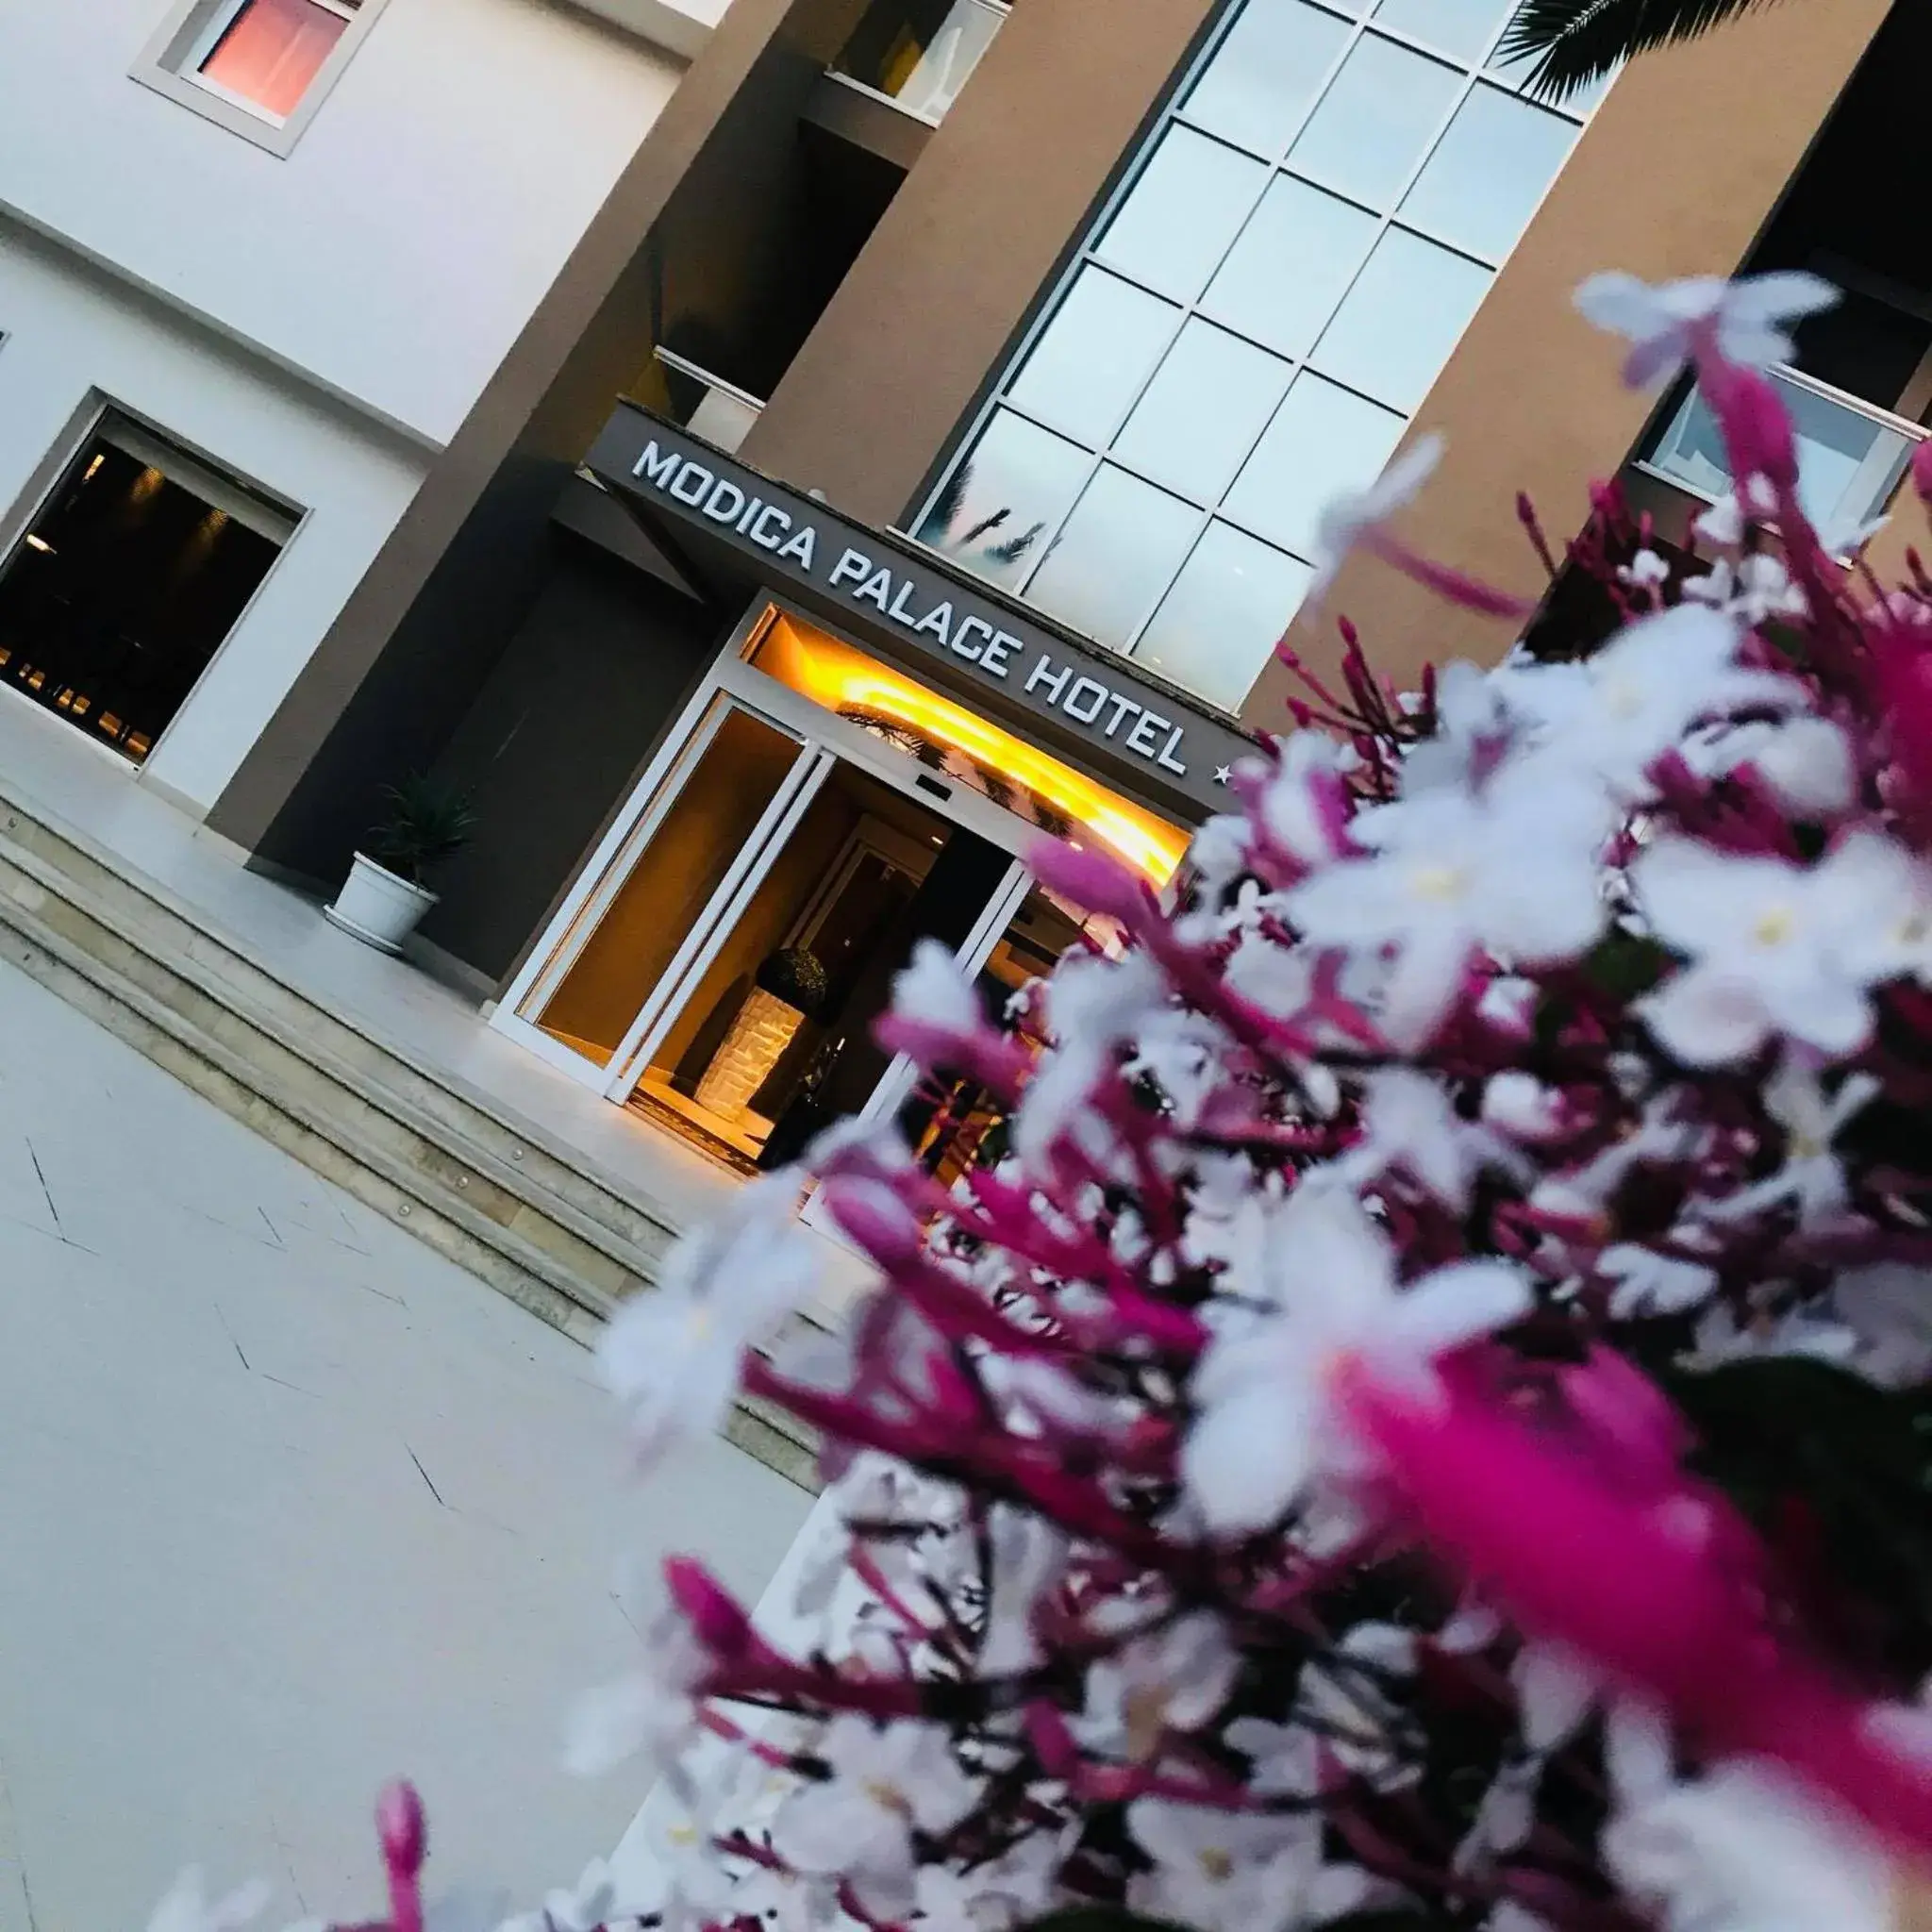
(1677,174)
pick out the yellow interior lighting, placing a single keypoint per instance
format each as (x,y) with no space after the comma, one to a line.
(838,676)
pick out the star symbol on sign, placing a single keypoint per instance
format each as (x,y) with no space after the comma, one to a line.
(1222,774)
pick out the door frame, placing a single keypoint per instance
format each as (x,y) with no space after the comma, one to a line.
(823,740)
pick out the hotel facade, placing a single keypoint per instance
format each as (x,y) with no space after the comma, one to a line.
(793,459)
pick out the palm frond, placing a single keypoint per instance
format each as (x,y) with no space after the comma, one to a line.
(1579,42)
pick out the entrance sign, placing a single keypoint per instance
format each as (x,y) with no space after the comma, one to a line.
(882,583)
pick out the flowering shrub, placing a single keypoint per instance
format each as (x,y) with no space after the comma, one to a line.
(1428,1423)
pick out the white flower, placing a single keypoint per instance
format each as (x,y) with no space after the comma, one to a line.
(1028,1557)
(651,1710)
(995,1893)
(1653,1284)
(1555,1693)
(1173,1679)
(1753,590)
(779,1899)
(1519,1105)
(1745,321)
(1777,949)
(1812,1176)
(1343,1697)
(1293,806)
(1474,720)
(1409,1123)
(1723,1337)
(1639,696)
(671,1354)
(188,1908)
(886,1782)
(1267,1422)
(590,1903)
(1237,1871)
(1889,1306)
(1511,1917)
(1805,764)
(933,991)
(1725,521)
(1091,1005)
(1285,1761)
(1345,520)
(1742,1850)
(1512,871)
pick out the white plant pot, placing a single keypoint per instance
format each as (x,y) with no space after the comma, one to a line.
(379,908)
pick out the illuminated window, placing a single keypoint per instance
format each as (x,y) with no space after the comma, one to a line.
(257,67)
(266,54)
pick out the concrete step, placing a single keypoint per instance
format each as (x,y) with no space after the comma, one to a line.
(487,1190)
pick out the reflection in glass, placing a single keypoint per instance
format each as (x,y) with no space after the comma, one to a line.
(1203,411)
(1488,173)
(1264,76)
(1093,356)
(1375,121)
(921,51)
(1122,545)
(1323,441)
(1181,213)
(1000,506)
(1231,602)
(1290,265)
(1396,327)
(722,793)
(1465,28)
(1849,462)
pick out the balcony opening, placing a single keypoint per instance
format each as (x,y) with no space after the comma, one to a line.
(122,588)
(918,54)
(1859,389)
(740,293)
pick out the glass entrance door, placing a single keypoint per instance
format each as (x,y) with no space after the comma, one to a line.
(769,1037)
(719,964)
(713,817)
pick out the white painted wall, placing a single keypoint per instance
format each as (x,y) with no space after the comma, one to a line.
(71,334)
(401,246)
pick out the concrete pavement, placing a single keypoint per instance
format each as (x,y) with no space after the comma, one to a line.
(289,1504)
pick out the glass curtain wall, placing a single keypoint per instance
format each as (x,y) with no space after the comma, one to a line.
(1251,326)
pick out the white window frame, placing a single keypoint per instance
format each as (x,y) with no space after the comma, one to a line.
(1360,23)
(169,65)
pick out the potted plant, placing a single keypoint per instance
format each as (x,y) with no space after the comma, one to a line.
(384,895)
(787,990)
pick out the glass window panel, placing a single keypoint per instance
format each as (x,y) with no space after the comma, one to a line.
(1114,557)
(1323,441)
(1216,627)
(1488,170)
(272,50)
(1182,213)
(1291,265)
(1089,364)
(1000,508)
(1263,76)
(1465,28)
(1201,412)
(725,792)
(1375,121)
(1396,327)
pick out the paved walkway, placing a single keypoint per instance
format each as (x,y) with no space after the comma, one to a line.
(288,1504)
